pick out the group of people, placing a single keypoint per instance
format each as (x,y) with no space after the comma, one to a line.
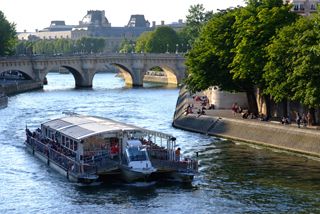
(304,119)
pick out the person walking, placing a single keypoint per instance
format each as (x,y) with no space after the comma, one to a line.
(298,119)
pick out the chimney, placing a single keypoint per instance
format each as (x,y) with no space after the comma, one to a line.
(162,22)
(153,23)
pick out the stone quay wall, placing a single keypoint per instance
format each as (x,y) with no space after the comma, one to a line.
(19,87)
(304,141)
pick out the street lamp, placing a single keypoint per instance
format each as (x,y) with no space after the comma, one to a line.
(167,48)
(177,47)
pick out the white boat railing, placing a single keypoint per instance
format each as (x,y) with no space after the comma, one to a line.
(67,163)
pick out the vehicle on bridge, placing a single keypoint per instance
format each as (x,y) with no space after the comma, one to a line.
(88,149)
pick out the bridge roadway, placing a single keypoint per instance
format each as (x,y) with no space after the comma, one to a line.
(133,66)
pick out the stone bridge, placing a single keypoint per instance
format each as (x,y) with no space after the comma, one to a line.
(83,67)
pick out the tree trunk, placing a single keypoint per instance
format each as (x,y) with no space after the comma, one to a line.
(285,108)
(252,101)
(268,105)
(313,115)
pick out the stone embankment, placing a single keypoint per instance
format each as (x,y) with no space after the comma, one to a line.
(222,123)
(11,88)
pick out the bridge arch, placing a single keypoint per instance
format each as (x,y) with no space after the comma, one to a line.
(77,75)
(15,75)
(126,73)
(169,72)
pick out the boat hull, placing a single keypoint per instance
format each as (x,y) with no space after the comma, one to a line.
(131,175)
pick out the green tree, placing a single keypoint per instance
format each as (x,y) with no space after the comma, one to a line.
(161,40)
(293,70)
(126,46)
(143,42)
(256,24)
(196,18)
(8,36)
(209,59)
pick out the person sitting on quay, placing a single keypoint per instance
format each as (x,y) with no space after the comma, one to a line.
(234,108)
(188,110)
(201,111)
(285,120)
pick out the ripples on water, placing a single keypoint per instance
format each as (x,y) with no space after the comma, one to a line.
(233,178)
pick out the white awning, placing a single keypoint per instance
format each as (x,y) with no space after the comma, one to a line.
(82,126)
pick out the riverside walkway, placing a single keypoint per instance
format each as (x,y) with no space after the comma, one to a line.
(223,123)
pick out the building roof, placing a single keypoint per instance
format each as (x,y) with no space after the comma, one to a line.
(82,126)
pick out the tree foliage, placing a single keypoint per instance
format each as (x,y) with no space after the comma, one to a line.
(161,40)
(61,46)
(8,36)
(255,25)
(231,49)
(209,59)
(293,69)
(126,46)
(196,18)
(143,42)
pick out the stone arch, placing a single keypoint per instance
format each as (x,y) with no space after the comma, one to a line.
(24,75)
(127,75)
(172,78)
(78,77)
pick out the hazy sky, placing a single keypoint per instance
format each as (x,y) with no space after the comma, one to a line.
(37,14)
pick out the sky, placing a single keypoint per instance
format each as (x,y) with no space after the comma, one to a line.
(37,14)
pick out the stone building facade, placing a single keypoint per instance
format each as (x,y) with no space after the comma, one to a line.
(95,24)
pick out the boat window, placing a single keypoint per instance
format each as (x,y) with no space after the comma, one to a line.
(136,154)
(63,140)
(71,144)
(75,146)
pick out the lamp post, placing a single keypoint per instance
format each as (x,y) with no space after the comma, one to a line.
(177,47)
(167,49)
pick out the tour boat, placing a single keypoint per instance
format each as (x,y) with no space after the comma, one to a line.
(88,149)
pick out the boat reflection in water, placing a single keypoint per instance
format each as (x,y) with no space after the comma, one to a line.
(87,149)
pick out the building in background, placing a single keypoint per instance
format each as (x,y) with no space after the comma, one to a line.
(95,24)
(303,7)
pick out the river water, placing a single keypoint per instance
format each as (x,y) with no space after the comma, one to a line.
(233,177)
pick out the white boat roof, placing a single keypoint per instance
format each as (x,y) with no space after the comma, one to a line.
(82,126)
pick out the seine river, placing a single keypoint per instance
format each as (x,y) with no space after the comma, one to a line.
(233,177)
